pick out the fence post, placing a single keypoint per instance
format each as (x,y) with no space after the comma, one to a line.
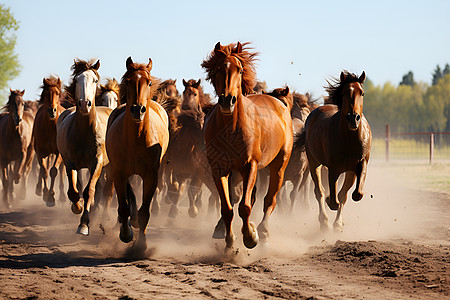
(388,137)
(431,147)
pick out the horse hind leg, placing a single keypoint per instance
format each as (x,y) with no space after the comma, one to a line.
(5,183)
(194,193)
(41,175)
(72,192)
(361,171)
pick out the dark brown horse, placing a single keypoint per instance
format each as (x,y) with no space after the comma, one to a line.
(186,155)
(44,137)
(16,125)
(338,136)
(244,133)
(136,141)
(81,134)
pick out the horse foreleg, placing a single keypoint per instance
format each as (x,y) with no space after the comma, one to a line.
(108,191)
(121,185)
(315,171)
(72,192)
(42,175)
(361,171)
(88,196)
(332,200)
(53,172)
(150,183)
(342,196)
(194,193)
(5,184)
(175,192)
(221,183)
(249,232)
(18,167)
(61,182)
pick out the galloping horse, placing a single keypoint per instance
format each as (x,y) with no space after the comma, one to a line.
(245,133)
(16,126)
(44,137)
(80,137)
(136,141)
(338,136)
(109,94)
(186,152)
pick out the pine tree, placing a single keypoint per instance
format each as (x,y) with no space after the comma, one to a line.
(437,75)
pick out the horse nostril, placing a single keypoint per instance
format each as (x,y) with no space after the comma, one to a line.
(348,117)
(221,99)
(357,117)
(89,103)
(143,109)
(233,100)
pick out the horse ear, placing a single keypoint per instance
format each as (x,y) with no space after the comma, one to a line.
(10,90)
(342,76)
(286,91)
(185,83)
(59,81)
(217,47)
(175,81)
(96,66)
(362,77)
(263,92)
(22,92)
(129,62)
(195,85)
(150,64)
(238,48)
(115,81)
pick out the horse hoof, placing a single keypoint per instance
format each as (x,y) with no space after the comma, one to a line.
(83,229)
(251,240)
(193,212)
(219,230)
(50,203)
(167,200)
(338,227)
(77,208)
(38,191)
(126,233)
(332,205)
(357,196)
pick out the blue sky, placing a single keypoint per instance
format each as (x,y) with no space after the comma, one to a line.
(301,43)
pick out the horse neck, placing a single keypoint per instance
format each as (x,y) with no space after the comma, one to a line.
(86,121)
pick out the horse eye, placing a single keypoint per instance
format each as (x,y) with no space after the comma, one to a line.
(362,94)
(150,83)
(96,80)
(241,71)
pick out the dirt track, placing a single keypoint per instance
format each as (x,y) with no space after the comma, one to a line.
(395,245)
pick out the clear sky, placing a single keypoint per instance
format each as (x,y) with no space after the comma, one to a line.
(301,43)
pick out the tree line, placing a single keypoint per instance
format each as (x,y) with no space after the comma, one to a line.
(411,106)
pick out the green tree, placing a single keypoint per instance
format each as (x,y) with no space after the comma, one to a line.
(446,70)
(408,79)
(9,62)
(436,75)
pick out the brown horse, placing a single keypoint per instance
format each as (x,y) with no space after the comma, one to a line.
(80,137)
(297,169)
(338,136)
(186,154)
(244,133)
(44,137)
(109,94)
(16,124)
(136,141)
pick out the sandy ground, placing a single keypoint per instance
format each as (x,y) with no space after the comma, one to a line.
(395,245)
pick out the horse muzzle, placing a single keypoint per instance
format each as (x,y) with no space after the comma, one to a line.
(226,104)
(353,120)
(51,113)
(85,106)
(138,112)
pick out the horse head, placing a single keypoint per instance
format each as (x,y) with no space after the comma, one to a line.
(282,94)
(16,105)
(109,94)
(50,97)
(137,82)
(170,88)
(86,83)
(352,100)
(191,95)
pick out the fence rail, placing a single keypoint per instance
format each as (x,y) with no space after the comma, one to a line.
(417,144)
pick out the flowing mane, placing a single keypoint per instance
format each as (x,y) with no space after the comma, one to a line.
(166,83)
(133,68)
(52,81)
(78,67)
(335,88)
(246,58)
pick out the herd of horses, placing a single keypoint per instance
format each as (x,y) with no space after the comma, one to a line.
(178,144)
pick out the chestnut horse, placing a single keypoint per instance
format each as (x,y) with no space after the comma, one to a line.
(244,133)
(80,135)
(109,94)
(186,154)
(338,136)
(16,125)
(44,137)
(136,141)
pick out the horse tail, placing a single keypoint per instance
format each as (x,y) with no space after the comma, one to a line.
(300,140)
